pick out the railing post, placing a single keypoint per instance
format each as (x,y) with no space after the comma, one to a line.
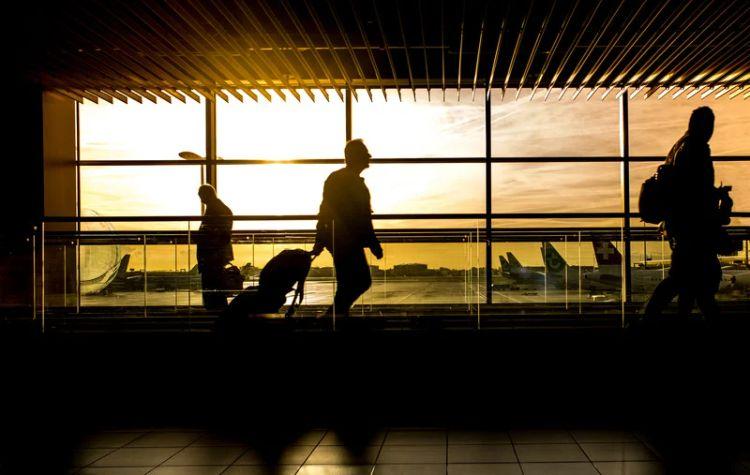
(625,185)
(43,271)
(488,196)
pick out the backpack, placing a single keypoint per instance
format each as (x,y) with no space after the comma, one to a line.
(654,201)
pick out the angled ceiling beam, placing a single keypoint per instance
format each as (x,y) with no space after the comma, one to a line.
(709,63)
(349,48)
(232,69)
(479,52)
(271,72)
(534,48)
(651,43)
(624,53)
(145,94)
(370,54)
(424,47)
(248,72)
(516,49)
(183,59)
(133,38)
(569,52)
(498,46)
(276,50)
(553,49)
(294,50)
(85,33)
(406,51)
(687,55)
(442,46)
(310,45)
(387,47)
(610,47)
(68,94)
(590,48)
(641,76)
(461,47)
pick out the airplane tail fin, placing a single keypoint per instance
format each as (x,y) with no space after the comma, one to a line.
(123,267)
(504,264)
(606,253)
(553,261)
(514,262)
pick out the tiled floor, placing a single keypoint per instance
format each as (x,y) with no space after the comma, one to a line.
(390,452)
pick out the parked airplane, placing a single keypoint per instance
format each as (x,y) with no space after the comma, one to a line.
(609,261)
(608,274)
(518,275)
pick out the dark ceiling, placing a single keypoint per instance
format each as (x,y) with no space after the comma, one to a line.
(178,49)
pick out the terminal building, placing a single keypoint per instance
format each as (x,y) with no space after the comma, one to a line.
(509,143)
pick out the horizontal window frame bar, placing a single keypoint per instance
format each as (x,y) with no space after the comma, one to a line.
(394,161)
(408,235)
(314,217)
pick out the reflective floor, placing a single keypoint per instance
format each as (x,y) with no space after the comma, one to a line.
(393,451)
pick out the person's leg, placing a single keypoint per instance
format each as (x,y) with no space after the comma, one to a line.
(211,282)
(706,296)
(353,279)
(663,294)
(685,302)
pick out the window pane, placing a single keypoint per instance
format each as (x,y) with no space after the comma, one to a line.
(555,187)
(279,130)
(141,191)
(145,131)
(655,125)
(425,128)
(397,188)
(528,128)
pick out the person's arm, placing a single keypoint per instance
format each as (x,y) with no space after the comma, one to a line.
(323,227)
(372,240)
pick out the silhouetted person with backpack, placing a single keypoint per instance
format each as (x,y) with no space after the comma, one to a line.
(345,227)
(214,247)
(696,211)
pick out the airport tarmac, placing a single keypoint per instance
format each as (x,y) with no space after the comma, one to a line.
(382,292)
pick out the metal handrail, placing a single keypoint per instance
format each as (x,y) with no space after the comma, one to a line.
(398,160)
(391,216)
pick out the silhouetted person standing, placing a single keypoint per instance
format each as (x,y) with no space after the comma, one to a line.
(693,224)
(345,227)
(214,247)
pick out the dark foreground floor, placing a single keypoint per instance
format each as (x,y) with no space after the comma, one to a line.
(549,401)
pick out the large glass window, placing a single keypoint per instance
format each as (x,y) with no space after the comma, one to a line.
(145,131)
(440,260)
(397,188)
(422,128)
(538,128)
(655,125)
(141,190)
(278,130)
(555,187)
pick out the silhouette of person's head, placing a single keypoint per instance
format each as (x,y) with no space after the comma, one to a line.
(206,193)
(356,155)
(701,126)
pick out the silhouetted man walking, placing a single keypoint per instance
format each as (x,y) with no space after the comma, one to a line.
(214,247)
(693,224)
(345,227)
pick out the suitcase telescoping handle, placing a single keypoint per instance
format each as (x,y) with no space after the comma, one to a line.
(295,305)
